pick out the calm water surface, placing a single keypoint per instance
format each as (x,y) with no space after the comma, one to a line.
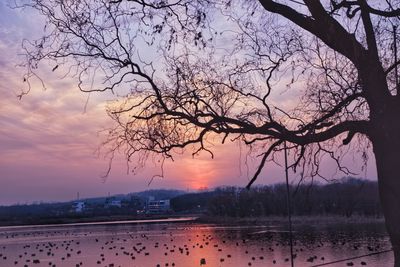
(187,243)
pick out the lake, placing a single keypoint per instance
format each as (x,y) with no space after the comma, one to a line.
(187,243)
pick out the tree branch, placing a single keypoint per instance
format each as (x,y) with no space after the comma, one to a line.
(262,163)
(323,26)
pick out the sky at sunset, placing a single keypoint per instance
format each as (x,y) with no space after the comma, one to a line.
(49,141)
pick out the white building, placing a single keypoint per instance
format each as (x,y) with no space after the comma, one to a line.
(115,203)
(78,206)
(158,206)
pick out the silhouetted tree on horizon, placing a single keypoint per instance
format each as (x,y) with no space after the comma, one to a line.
(216,69)
(346,198)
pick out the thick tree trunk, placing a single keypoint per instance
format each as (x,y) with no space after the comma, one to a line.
(387,154)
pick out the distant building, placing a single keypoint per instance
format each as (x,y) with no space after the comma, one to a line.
(158,206)
(78,206)
(112,203)
(115,203)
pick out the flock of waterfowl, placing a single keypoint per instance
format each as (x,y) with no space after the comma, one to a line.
(169,245)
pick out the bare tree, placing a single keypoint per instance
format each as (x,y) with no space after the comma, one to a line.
(189,70)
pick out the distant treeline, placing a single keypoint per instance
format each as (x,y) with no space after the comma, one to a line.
(348,197)
(97,207)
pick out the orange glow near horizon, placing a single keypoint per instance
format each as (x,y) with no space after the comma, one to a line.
(198,173)
(198,186)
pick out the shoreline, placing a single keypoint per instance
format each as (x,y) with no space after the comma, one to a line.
(94,220)
(148,221)
(298,220)
(196,218)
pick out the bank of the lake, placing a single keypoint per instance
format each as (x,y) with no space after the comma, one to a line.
(296,220)
(200,218)
(98,219)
